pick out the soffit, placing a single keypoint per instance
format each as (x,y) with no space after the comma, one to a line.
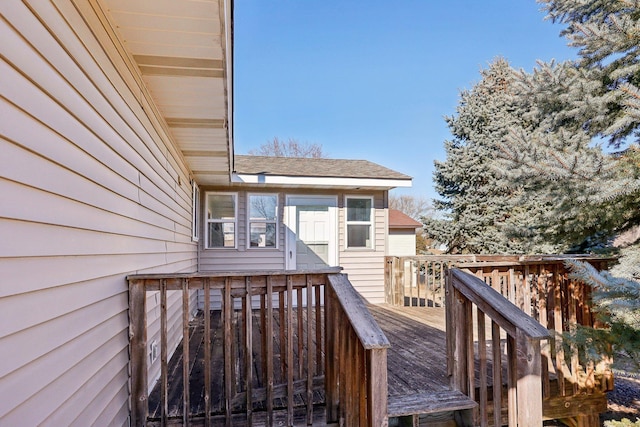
(183,50)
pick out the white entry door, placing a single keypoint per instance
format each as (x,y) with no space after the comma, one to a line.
(311,232)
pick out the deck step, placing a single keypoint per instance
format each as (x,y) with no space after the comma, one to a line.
(429,403)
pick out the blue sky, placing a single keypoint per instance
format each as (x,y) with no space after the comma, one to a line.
(374,79)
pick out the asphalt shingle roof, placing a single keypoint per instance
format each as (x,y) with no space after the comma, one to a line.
(399,219)
(313,167)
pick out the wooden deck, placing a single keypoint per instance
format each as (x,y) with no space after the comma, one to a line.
(417,368)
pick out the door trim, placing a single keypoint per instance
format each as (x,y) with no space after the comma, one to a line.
(293,200)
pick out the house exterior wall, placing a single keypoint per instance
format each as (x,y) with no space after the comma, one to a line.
(365,267)
(92,190)
(402,242)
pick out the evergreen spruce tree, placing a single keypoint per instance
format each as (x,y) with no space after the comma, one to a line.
(556,153)
(480,210)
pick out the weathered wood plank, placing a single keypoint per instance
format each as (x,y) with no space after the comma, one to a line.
(482,354)
(228,350)
(138,348)
(207,353)
(507,315)
(528,382)
(429,403)
(185,352)
(248,348)
(377,409)
(290,349)
(269,352)
(164,385)
(364,325)
(497,372)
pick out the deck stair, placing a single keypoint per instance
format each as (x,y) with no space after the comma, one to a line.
(449,404)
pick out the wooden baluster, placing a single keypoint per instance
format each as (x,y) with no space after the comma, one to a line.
(283,336)
(418,293)
(547,363)
(185,352)
(207,352)
(310,352)
(331,357)
(496,358)
(269,350)
(290,369)
(228,350)
(470,356)
(248,349)
(263,337)
(460,343)
(573,300)
(299,316)
(482,354)
(512,381)
(319,323)
(164,387)
(557,325)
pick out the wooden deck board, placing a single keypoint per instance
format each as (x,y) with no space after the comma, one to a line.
(416,363)
(416,360)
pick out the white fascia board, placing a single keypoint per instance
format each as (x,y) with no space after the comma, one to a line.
(318,181)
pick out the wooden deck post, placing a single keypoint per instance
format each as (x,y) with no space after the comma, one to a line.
(138,349)
(529,384)
(377,387)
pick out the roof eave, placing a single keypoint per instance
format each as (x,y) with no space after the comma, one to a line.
(316,182)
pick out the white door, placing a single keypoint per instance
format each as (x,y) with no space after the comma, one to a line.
(311,232)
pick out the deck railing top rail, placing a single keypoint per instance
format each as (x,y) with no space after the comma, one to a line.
(363,323)
(214,274)
(502,311)
(505,260)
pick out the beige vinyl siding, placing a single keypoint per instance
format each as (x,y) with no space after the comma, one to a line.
(90,189)
(402,242)
(365,267)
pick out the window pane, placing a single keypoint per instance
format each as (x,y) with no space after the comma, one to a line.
(263,207)
(359,210)
(221,235)
(358,236)
(263,235)
(221,206)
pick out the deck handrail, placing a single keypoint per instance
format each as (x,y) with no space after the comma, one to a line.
(364,325)
(523,336)
(315,320)
(356,362)
(501,310)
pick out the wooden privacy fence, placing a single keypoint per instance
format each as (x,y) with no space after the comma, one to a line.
(264,348)
(469,298)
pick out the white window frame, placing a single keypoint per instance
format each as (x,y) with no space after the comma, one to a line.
(195,211)
(370,223)
(208,221)
(258,220)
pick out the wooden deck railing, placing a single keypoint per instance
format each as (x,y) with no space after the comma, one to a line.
(540,287)
(270,334)
(356,379)
(469,298)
